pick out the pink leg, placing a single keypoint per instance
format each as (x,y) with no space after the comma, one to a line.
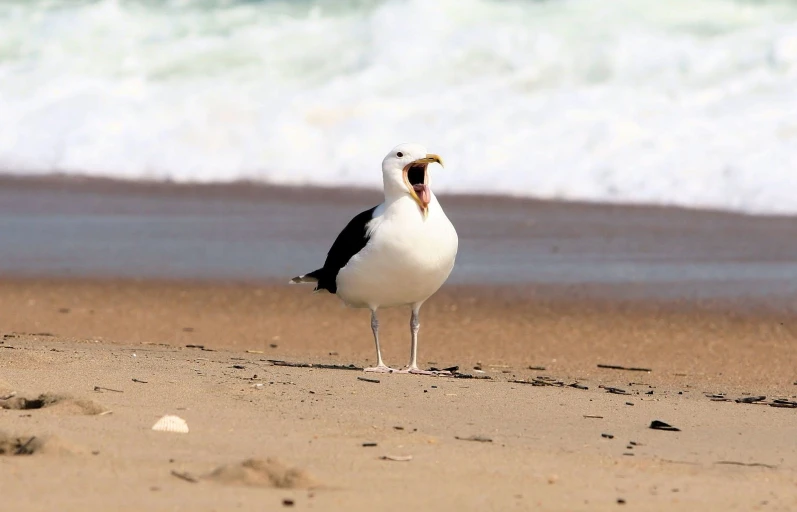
(415,326)
(380,365)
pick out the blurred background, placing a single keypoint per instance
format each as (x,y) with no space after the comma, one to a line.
(684,102)
(185,104)
(621,173)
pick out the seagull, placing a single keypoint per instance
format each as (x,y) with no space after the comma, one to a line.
(398,253)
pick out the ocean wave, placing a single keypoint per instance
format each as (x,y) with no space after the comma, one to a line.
(635,101)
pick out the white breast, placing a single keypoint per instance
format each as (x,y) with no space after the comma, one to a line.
(406,260)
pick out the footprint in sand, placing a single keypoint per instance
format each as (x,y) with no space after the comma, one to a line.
(11,445)
(55,403)
(262,473)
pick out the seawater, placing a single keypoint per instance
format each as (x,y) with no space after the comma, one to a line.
(683,102)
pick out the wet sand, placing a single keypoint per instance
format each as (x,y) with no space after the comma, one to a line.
(70,227)
(106,282)
(743,347)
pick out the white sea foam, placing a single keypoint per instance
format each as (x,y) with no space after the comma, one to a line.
(677,102)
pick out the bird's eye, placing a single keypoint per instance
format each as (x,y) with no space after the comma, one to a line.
(399,154)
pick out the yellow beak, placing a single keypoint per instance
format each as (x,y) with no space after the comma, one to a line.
(431,158)
(428,159)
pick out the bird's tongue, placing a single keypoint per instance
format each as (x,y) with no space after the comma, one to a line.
(423,192)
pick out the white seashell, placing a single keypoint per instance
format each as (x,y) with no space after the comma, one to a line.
(171,424)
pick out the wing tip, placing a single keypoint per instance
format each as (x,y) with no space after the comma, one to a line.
(306,278)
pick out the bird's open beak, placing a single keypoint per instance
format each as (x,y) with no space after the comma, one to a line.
(430,159)
(417,181)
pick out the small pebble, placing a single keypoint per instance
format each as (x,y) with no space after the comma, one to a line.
(287,502)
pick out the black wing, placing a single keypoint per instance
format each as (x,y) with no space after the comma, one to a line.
(350,241)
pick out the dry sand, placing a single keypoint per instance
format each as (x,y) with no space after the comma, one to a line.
(262,433)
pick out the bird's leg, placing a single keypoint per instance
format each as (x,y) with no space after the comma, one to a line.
(380,365)
(415,326)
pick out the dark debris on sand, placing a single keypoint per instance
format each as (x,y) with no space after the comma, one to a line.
(626,368)
(548,381)
(660,425)
(613,390)
(750,399)
(478,439)
(277,362)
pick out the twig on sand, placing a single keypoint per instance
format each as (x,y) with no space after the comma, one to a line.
(680,462)
(366,379)
(750,399)
(626,368)
(458,375)
(277,362)
(140,381)
(445,372)
(749,464)
(200,347)
(616,391)
(23,449)
(548,381)
(185,476)
(478,439)
(540,381)
(397,458)
(100,389)
(782,402)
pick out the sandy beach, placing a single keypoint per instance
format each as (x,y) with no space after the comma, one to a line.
(524,439)
(702,315)
(619,328)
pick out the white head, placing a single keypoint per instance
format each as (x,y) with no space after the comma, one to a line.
(404,173)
